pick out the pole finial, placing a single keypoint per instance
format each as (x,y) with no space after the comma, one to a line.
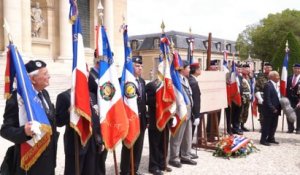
(162,26)
(100,9)
(7,29)
(287,46)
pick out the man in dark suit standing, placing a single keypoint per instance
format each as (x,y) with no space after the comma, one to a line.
(90,154)
(10,130)
(158,140)
(293,94)
(93,88)
(139,143)
(271,109)
(195,71)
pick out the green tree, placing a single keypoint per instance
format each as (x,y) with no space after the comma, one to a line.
(262,40)
(294,53)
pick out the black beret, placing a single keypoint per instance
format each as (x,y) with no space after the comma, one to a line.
(185,63)
(213,62)
(246,65)
(296,65)
(238,65)
(267,64)
(137,59)
(33,65)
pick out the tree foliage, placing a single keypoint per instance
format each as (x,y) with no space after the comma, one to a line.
(294,53)
(262,40)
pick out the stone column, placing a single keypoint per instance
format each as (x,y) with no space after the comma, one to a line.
(26,27)
(12,13)
(65,31)
(109,20)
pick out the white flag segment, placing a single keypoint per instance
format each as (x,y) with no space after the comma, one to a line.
(81,67)
(131,102)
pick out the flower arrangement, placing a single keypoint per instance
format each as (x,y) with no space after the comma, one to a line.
(234,146)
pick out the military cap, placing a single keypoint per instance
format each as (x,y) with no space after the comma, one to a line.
(33,65)
(213,62)
(195,66)
(267,64)
(185,63)
(238,65)
(246,65)
(137,59)
(296,65)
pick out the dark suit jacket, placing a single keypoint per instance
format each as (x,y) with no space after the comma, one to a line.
(142,105)
(93,87)
(271,101)
(196,95)
(151,102)
(63,119)
(11,130)
(292,91)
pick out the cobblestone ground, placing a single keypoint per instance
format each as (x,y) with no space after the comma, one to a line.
(273,160)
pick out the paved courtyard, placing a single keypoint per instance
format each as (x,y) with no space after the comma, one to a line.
(274,160)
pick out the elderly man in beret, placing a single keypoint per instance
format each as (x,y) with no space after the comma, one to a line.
(11,130)
(293,94)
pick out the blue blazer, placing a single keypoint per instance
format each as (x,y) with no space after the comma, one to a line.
(271,101)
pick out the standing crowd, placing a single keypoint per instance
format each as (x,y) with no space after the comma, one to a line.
(176,148)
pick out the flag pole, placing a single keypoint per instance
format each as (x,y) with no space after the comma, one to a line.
(252,116)
(208,59)
(286,52)
(100,9)
(162,26)
(7,29)
(77,171)
(132,172)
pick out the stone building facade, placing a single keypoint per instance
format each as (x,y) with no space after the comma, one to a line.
(147,46)
(41,28)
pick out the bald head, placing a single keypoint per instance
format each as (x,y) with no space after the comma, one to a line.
(274,76)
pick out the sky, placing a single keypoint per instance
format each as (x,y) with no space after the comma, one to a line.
(223,18)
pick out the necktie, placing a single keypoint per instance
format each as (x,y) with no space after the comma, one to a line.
(43,102)
(294,81)
(139,87)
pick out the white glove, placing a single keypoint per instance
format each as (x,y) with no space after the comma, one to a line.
(36,129)
(174,122)
(259,98)
(196,122)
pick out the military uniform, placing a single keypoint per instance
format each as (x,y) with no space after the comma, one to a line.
(246,96)
(260,83)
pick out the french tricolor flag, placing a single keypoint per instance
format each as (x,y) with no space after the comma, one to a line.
(284,73)
(165,95)
(181,98)
(129,92)
(80,114)
(225,61)
(30,109)
(113,118)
